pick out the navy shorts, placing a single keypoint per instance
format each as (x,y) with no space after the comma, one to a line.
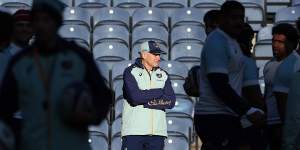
(141,142)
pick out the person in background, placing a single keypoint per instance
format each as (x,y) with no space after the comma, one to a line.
(22,31)
(221,106)
(6,30)
(284,41)
(148,92)
(211,20)
(253,137)
(291,130)
(57,86)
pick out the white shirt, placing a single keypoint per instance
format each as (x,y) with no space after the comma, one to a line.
(220,54)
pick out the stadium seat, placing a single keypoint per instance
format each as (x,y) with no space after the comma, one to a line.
(14,5)
(207,5)
(169,5)
(183,107)
(111,16)
(263,46)
(188,34)
(116,127)
(149,16)
(187,53)
(144,33)
(131,5)
(117,72)
(274,5)
(78,33)
(101,129)
(287,15)
(137,48)
(68,3)
(187,16)
(104,70)
(116,143)
(261,64)
(254,13)
(295,2)
(174,142)
(177,86)
(111,33)
(180,126)
(98,142)
(92,3)
(119,107)
(110,53)
(176,70)
(77,16)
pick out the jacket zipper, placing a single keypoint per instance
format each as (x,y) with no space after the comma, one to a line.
(152,128)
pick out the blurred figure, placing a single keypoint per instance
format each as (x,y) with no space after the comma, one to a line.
(252,135)
(7,141)
(291,130)
(6,29)
(284,41)
(220,105)
(22,31)
(211,20)
(56,85)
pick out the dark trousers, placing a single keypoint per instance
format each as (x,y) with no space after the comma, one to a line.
(218,132)
(137,142)
(255,138)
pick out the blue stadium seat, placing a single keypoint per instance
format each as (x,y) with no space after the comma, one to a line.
(92,3)
(188,34)
(77,16)
(116,143)
(149,16)
(175,69)
(255,13)
(180,126)
(187,16)
(295,2)
(287,15)
(116,127)
(131,5)
(144,33)
(119,107)
(111,16)
(137,48)
(110,53)
(263,46)
(78,33)
(98,142)
(111,33)
(68,3)
(104,70)
(207,5)
(169,5)
(261,64)
(177,86)
(14,5)
(183,107)
(101,130)
(187,53)
(117,72)
(274,5)
(174,142)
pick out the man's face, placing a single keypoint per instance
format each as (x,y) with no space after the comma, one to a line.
(278,46)
(44,25)
(22,31)
(151,60)
(234,22)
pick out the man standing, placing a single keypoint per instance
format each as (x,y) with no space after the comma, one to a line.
(22,31)
(148,92)
(284,41)
(220,106)
(38,80)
